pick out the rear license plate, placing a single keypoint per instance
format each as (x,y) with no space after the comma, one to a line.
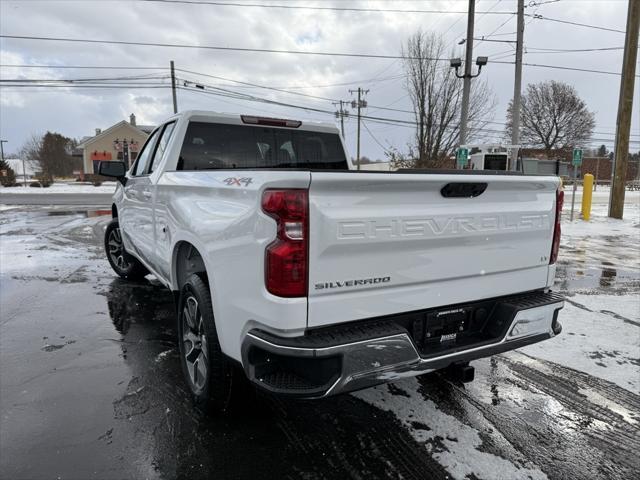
(446,324)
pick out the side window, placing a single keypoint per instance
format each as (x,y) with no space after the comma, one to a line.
(162,145)
(145,154)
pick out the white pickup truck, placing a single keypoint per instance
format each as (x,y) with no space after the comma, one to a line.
(318,279)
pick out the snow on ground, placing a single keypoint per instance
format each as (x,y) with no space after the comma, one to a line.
(59,187)
(601,318)
(600,336)
(462,456)
(601,195)
(600,223)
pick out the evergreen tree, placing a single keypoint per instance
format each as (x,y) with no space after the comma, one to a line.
(8,180)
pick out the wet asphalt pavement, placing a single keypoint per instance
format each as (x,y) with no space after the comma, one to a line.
(91,387)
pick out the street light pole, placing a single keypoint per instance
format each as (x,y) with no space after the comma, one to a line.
(466,86)
(517,87)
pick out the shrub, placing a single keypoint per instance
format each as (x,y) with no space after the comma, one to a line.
(97,183)
(10,179)
(40,183)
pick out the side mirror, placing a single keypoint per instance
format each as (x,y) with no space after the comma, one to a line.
(112,169)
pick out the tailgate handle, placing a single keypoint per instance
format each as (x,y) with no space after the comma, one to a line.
(463,189)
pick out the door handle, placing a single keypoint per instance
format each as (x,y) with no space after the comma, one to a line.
(146,194)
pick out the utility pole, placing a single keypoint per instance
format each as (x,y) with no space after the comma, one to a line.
(359,105)
(466,86)
(517,87)
(625,105)
(341,113)
(173,88)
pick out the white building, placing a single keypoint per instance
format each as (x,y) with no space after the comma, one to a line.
(32,168)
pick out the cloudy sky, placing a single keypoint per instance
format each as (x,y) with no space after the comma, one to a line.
(76,112)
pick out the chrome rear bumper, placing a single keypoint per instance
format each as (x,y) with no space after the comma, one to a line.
(357,364)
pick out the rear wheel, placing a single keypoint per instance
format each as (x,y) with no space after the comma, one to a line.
(122,263)
(207,370)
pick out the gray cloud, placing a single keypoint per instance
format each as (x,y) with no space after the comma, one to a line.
(76,112)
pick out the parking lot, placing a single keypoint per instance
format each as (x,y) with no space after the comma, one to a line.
(91,385)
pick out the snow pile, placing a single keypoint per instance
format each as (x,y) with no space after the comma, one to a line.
(600,223)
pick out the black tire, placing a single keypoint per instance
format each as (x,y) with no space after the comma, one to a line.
(208,372)
(122,263)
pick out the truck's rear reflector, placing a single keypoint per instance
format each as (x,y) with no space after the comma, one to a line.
(286,258)
(555,246)
(272,122)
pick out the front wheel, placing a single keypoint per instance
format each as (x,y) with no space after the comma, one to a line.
(122,263)
(207,370)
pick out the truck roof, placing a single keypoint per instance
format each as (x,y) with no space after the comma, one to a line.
(235,119)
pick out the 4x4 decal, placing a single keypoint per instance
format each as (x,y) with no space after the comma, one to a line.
(239,182)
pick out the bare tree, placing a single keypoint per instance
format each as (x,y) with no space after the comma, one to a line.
(436,95)
(553,116)
(30,152)
(399,160)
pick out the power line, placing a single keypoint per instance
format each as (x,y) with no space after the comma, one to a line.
(375,79)
(213,47)
(103,86)
(256,85)
(498,28)
(259,50)
(596,27)
(571,50)
(557,67)
(386,149)
(79,80)
(310,7)
(96,67)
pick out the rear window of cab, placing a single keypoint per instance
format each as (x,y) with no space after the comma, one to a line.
(212,146)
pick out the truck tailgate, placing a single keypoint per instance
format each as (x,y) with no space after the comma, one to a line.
(388,243)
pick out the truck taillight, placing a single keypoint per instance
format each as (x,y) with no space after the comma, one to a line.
(555,246)
(286,258)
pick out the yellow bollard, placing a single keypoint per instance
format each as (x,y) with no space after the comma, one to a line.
(587,191)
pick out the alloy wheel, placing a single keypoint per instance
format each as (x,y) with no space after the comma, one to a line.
(194,340)
(116,250)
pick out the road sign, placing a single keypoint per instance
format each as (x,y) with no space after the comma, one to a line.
(462,157)
(577,157)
